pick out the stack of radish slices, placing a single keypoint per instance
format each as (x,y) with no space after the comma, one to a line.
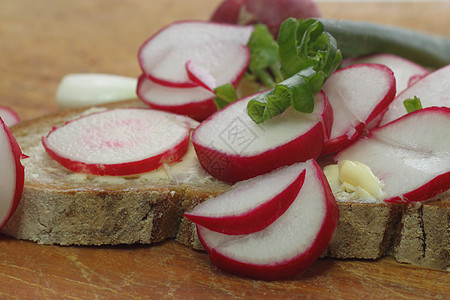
(270,227)
(231,147)
(411,155)
(185,61)
(11,173)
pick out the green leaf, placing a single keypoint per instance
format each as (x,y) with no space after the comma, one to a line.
(297,91)
(308,56)
(264,64)
(225,94)
(287,41)
(412,104)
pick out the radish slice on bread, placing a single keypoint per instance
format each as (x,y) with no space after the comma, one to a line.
(410,155)
(120,141)
(11,174)
(9,116)
(290,244)
(195,102)
(218,48)
(405,71)
(432,90)
(359,95)
(250,205)
(232,147)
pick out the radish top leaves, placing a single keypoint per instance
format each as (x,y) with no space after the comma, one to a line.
(308,56)
(225,94)
(264,63)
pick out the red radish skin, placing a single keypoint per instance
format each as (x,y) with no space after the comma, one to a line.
(9,116)
(295,240)
(359,95)
(411,155)
(100,133)
(219,48)
(233,219)
(223,158)
(432,90)
(196,103)
(269,12)
(12,174)
(437,185)
(202,77)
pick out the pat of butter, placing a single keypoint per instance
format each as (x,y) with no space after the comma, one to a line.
(355,177)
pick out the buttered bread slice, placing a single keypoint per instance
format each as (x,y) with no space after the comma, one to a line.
(66,208)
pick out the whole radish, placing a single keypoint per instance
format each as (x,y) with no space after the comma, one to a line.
(269,12)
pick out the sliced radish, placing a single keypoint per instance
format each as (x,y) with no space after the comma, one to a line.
(405,70)
(432,90)
(411,155)
(194,102)
(9,116)
(11,174)
(85,89)
(287,246)
(200,76)
(119,141)
(218,48)
(231,147)
(359,94)
(251,205)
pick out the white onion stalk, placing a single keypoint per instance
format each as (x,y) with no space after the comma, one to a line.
(84,89)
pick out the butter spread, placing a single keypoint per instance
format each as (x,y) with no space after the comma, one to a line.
(354,181)
(41,168)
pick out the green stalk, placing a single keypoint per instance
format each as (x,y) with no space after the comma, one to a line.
(356,38)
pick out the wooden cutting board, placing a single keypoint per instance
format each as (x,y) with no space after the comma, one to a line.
(41,41)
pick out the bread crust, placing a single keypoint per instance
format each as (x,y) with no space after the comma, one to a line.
(423,235)
(96,217)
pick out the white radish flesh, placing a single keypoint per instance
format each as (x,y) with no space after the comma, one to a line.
(290,244)
(432,90)
(200,76)
(232,147)
(11,174)
(86,89)
(250,205)
(218,48)
(358,94)
(194,102)
(120,141)
(405,71)
(9,116)
(410,155)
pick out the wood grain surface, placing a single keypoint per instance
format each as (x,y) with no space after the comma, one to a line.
(41,41)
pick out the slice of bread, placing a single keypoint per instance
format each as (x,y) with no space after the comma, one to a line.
(65,208)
